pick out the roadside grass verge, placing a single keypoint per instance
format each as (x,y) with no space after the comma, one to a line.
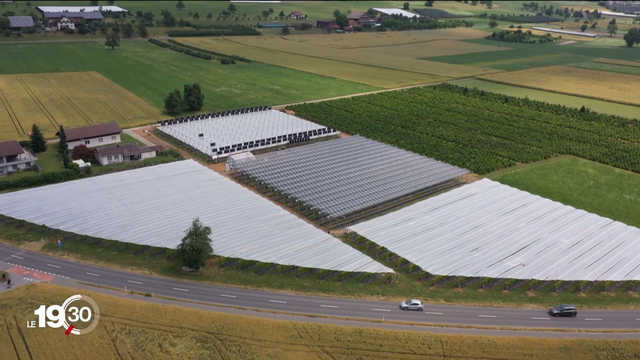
(255,275)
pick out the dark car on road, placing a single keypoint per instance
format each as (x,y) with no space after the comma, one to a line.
(563,310)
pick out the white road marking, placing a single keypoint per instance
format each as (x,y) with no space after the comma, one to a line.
(229,296)
(329,306)
(278,301)
(17,257)
(593,319)
(134,282)
(380,309)
(93,274)
(55,266)
(487,316)
(539,318)
(180,289)
(433,313)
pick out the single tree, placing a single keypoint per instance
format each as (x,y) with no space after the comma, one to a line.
(195,247)
(196,16)
(405,6)
(428,3)
(232,7)
(173,102)
(45,21)
(93,3)
(265,14)
(65,160)
(63,148)
(336,13)
(181,22)
(110,2)
(490,4)
(632,37)
(493,23)
(4,23)
(180,5)
(142,30)
(342,20)
(285,30)
(38,143)
(28,3)
(112,39)
(209,16)
(612,28)
(84,153)
(270,10)
(128,30)
(281,15)
(613,21)
(583,27)
(193,100)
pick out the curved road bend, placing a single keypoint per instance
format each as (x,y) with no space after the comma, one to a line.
(316,305)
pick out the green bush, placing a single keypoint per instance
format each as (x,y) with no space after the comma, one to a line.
(38,180)
(69,31)
(234,57)
(30,30)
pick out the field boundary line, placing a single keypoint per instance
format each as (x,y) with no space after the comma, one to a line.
(98,99)
(127,98)
(482,77)
(13,343)
(74,105)
(35,99)
(24,340)
(9,109)
(374,66)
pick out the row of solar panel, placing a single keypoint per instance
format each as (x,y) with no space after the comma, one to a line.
(212,115)
(234,148)
(278,139)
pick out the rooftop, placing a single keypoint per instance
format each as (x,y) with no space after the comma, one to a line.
(89,132)
(85,15)
(78,8)
(10,148)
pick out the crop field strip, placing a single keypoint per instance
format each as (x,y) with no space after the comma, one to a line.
(486,229)
(434,121)
(244,224)
(48,101)
(600,85)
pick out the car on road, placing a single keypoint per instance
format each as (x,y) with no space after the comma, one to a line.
(563,310)
(412,305)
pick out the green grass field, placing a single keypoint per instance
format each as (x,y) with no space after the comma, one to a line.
(151,72)
(527,56)
(580,183)
(604,107)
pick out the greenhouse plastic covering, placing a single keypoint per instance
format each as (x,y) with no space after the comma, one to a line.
(155,205)
(221,136)
(345,175)
(486,229)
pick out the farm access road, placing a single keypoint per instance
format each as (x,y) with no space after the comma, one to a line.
(16,260)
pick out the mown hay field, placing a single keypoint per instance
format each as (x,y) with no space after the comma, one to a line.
(68,99)
(369,75)
(617,62)
(428,49)
(389,38)
(381,58)
(601,85)
(133,329)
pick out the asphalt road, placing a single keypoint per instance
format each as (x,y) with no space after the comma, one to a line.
(442,314)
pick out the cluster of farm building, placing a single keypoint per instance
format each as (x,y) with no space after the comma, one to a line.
(307,179)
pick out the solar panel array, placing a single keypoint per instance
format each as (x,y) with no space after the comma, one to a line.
(230,132)
(345,175)
(155,205)
(486,229)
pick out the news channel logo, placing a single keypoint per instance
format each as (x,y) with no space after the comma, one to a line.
(77,320)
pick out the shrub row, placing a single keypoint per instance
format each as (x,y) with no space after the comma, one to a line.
(234,57)
(180,49)
(41,179)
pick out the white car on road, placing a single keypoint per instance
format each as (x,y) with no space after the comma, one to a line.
(412,305)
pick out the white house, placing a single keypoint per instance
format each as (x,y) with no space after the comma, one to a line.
(296,15)
(14,158)
(65,23)
(92,136)
(115,154)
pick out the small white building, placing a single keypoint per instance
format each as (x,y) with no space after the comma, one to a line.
(296,15)
(65,23)
(237,157)
(92,136)
(81,164)
(14,158)
(120,153)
